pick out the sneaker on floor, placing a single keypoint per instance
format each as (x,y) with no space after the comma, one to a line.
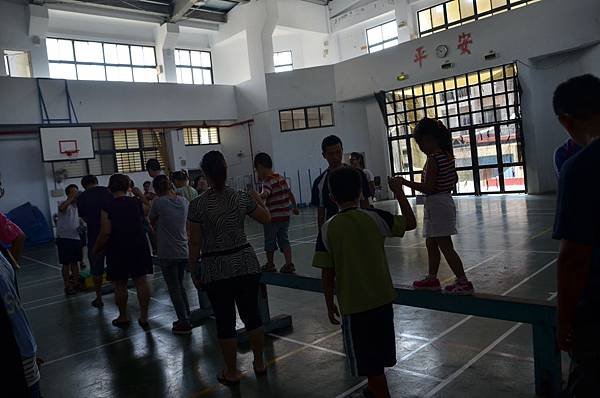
(428,283)
(268,268)
(180,327)
(288,269)
(461,288)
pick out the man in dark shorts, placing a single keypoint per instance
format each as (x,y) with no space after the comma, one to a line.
(577,226)
(89,205)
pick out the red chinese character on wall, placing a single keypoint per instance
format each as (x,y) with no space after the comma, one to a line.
(464,41)
(420,56)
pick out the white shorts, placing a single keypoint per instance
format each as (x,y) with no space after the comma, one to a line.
(439,217)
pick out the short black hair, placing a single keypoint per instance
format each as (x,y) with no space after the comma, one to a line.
(345,184)
(179,176)
(578,97)
(89,180)
(118,183)
(262,159)
(161,184)
(69,187)
(330,140)
(358,156)
(152,165)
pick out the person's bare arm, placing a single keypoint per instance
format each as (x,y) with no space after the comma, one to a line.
(405,207)
(430,177)
(261,213)
(295,209)
(65,205)
(105,228)
(573,267)
(328,277)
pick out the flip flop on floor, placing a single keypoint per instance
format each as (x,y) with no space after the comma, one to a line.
(120,324)
(225,381)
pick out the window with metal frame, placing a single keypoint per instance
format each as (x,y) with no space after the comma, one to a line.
(482,111)
(92,60)
(459,12)
(283,61)
(193,67)
(382,36)
(201,136)
(118,151)
(310,117)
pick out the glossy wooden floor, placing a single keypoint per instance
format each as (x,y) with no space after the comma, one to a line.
(505,243)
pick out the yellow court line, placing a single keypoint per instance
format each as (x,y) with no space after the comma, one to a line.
(273,361)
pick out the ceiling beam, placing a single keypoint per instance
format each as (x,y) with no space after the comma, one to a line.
(207,15)
(179,8)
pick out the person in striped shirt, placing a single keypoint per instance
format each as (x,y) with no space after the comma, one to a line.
(281,203)
(439,220)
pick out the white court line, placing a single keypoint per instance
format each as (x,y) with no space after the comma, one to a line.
(476,358)
(46,363)
(450,329)
(292,228)
(41,262)
(414,337)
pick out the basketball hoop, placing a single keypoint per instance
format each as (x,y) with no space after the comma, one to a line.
(70,148)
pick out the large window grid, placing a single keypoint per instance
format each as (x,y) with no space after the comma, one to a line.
(382,36)
(201,136)
(306,118)
(118,151)
(458,12)
(482,111)
(283,61)
(92,60)
(193,67)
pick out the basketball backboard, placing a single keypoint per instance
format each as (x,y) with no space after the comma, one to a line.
(66,143)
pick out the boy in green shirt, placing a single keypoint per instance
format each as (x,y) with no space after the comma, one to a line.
(350,251)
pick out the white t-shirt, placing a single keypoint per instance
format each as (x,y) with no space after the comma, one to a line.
(369,174)
(68,223)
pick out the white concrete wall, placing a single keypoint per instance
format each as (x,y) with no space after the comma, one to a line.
(302,15)
(230,60)
(307,47)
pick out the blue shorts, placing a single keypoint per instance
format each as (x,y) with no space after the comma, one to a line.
(276,234)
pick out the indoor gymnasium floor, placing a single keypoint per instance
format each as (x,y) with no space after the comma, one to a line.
(506,246)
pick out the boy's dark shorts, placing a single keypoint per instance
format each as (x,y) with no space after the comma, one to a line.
(69,250)
(370,341)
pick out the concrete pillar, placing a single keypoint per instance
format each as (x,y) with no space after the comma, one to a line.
(407,23)
(176,148)
(3,71)
(166,40)
(38,29)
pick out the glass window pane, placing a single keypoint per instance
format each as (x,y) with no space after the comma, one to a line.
(486,146)
(190,136)
(205,60)
(510,144)
(60,50)
(90,72)
(498,3)
(466,184)
(149,56)
(62,71)
(207,76)
(299,120)
(119,74)
(489,180)
(182,57)
(128,162)
(466,8)
(452,11)
(197,76)
(313,117)
(483,6)
(116,54)
(142,55)
(326,115)
(285,118)
(400,156)
(437,16)
(195,58)
(286,68)
(390,43)
(389,30)
(376,48)
(374,35)
(147,75)
(514,178)
(424,20)
(87,51)
(461,143)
